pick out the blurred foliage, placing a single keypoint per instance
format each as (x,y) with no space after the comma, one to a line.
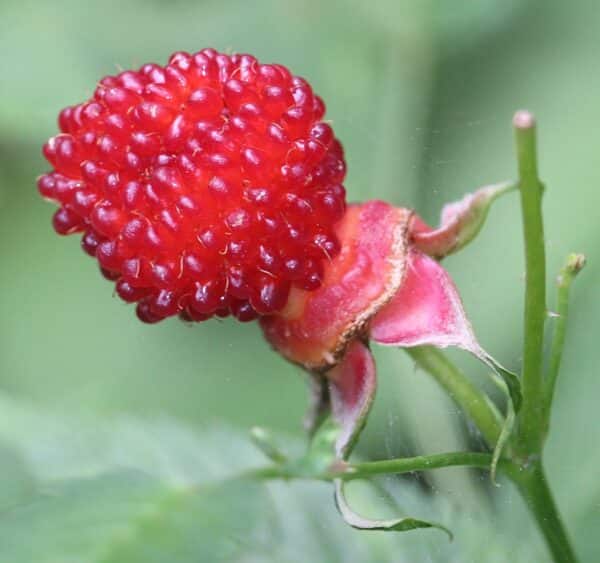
(154,491)
(421,92)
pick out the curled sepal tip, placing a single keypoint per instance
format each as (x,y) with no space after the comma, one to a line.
(393,525)
(460,222)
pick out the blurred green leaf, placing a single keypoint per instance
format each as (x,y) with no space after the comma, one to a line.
(155,491)
(128,516)
(16,482)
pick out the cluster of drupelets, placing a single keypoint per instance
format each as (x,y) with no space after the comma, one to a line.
(210,186)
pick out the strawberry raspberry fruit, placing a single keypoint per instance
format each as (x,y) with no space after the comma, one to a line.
(209,186)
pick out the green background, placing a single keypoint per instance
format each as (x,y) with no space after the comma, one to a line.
(421,93)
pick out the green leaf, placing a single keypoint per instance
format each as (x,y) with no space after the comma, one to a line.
(125,489)
(130,516)
(209,524)
(17,483)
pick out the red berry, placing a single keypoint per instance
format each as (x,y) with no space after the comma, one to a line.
(209,186)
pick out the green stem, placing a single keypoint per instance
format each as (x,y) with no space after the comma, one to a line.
(474,402)
(535,289)
(574,264)
(349,472)
(417,463)
(527,473)
(533,486)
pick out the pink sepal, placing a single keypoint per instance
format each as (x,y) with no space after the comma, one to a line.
(352,385)
(426,310)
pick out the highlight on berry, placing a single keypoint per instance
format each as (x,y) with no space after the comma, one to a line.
(209,186)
